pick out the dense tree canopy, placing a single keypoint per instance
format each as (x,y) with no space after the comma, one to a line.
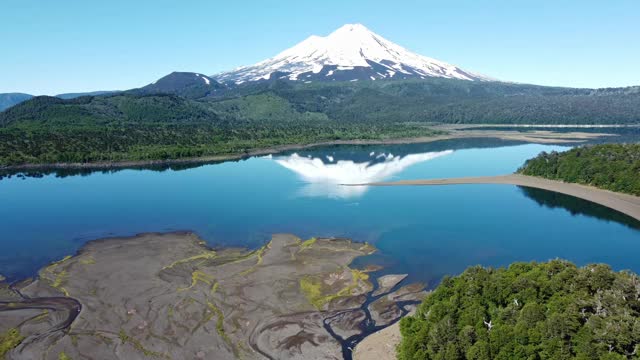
(551,310)
(159,127)
(459,101)
(173,119)
(614,167)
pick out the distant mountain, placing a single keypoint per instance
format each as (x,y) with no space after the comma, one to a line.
(350,53)
(186,84)
(10,99)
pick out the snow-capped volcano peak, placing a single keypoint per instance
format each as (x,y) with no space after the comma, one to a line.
(351,52)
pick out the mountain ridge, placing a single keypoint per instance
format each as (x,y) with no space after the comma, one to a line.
(352,53)
(8,100)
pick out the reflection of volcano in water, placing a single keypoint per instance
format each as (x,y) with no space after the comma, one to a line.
(324,175)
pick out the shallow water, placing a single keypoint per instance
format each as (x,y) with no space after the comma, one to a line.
(424,231)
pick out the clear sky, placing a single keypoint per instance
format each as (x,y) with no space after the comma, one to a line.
(50,47)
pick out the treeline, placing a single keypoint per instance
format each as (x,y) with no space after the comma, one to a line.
(454,101)
(551,310)
(127,127)
(614,167)
(142,125)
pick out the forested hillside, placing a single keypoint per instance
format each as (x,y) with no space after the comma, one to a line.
(551,310)
(187,115)
(459,101)
(159,127)
(614,167)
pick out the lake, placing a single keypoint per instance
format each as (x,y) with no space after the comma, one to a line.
(427,232)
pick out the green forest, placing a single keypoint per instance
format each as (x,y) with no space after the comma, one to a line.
(439,100)
(176,119)
(551,310)
(614,167)
(159,127)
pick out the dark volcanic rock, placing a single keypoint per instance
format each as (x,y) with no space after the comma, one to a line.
(348,323)
(168,296)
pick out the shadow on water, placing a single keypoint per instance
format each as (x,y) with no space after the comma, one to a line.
(371,153)
(357,153)
(67,172)
(577,206)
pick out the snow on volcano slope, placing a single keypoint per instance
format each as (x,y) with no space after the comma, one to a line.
(352,52)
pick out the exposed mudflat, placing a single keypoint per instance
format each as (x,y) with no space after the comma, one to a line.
(380,345)
(387,282)
(168,296)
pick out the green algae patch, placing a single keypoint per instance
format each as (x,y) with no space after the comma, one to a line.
(319,293)
(206,255)
(367,248)
(308,243)
(63,356)
(59,280)
(58,277)
(9,340)
(89,260)
(215,311)
(59,262)
(74,339)
(259,253)
(200,276)
(124,339)
(312,291)
(359,275)
(41,317)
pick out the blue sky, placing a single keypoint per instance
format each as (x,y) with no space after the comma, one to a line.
(50,47)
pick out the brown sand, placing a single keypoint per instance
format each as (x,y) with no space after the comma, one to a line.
(624,203)
(380,345)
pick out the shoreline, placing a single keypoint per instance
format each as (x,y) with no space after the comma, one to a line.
(624,203)
(201,295)
(550,126)
(382,344)
(537,137)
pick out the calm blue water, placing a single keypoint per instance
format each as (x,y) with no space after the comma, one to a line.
(425,231)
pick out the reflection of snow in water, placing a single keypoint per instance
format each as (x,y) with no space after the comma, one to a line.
(324,179)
